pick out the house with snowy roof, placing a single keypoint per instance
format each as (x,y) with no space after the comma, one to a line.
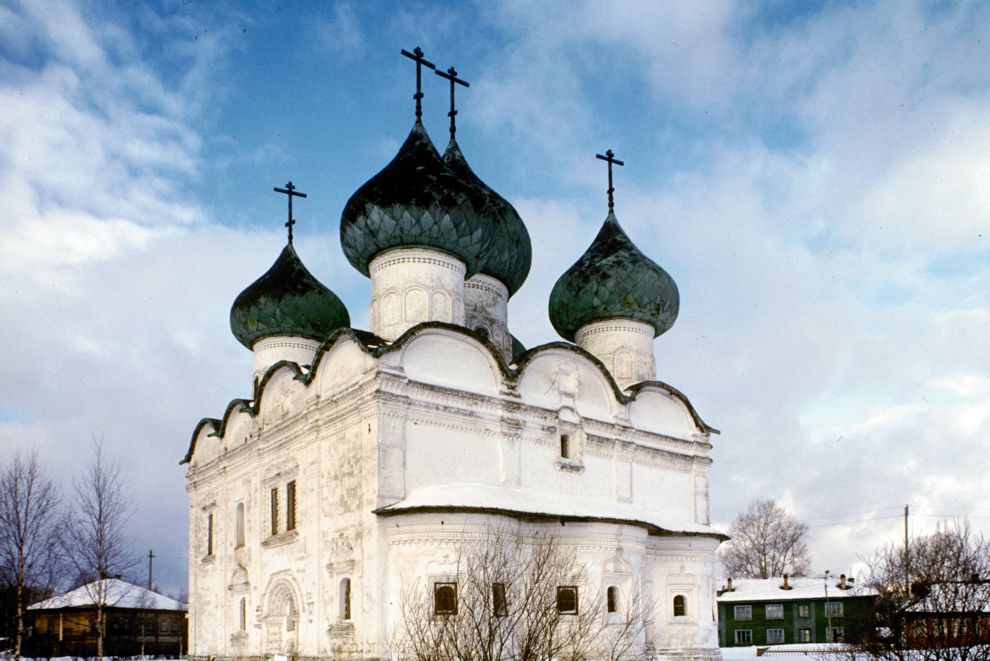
(364,460)
(136,621)
(775,611)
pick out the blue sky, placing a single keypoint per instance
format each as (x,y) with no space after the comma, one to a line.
(815,177)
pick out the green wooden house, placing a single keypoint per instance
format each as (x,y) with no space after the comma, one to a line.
(778,611)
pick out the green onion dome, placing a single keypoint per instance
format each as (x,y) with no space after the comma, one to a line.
(287,300)
(416,201)
(510,255)
(612,280)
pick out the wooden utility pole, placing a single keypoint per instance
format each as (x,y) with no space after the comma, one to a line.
(907,573)
(151,557)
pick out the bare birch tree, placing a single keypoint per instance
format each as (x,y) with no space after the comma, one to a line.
(508,606)
(94,539)
(29,519)
(765,542)
(938,605)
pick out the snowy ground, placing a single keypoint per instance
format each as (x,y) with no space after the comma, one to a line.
(795,652)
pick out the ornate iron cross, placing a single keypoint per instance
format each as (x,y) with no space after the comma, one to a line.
(610,157)
(417,57)
(451,75)
(289,190)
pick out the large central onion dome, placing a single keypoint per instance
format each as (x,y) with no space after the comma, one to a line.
(286,301)
(510,255)
(416,201)
(613,280)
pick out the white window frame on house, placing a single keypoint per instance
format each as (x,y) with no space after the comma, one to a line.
(747,634)
(836,634)
(834,609)
(742,612)
(804,611)
(775,636)
(804,635)
(774,611)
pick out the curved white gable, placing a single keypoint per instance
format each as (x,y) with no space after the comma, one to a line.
(555,378)
(207,447)
(660,412)
(449,359)
(341,365)
(281,394)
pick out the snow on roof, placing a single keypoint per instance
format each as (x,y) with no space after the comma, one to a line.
(485,497)
(115,594)
(769,589)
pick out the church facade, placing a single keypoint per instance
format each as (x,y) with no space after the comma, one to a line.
(365,461)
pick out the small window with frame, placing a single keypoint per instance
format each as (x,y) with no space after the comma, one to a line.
(775,611)
(445,598)
(804,611)
(567,599)
(565,446)
(290,506)
(744,636)
(612,599)
(775,636)
(743,612)
(680,606)
(500,608)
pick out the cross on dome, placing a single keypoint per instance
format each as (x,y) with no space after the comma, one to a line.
(610,158)
(290,191)
(451,75)
(417,57)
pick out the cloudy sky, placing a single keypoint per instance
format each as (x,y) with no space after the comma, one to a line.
(815,176)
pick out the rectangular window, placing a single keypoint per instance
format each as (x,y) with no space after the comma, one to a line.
(567,599)
(744,636)
(499,606)
(565,446)
(838,635)
(833,609)
(209,534)
(804,611)
(275,511)
(775,611)
(743,612)
(775,636)
(445,598)
(163,626)
(290,505)
(804,635)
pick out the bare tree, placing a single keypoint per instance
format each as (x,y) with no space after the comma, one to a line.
(937,606)
(508,606)
(29,518)
(94,538)
(766,541)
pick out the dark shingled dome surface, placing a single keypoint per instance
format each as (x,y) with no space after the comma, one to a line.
(416,200)
(611,280)
(511,254)
(286,300)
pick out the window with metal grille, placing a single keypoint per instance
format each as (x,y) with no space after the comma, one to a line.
(499,606)
(567,599)
(274,511)
(680,606)
(445,598)
(290,505)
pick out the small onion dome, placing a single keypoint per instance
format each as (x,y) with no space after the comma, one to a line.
(287,300)
(612,280)
(415,201)
(517,346)
(510,254)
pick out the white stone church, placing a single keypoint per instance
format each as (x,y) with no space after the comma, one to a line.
(364,459)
